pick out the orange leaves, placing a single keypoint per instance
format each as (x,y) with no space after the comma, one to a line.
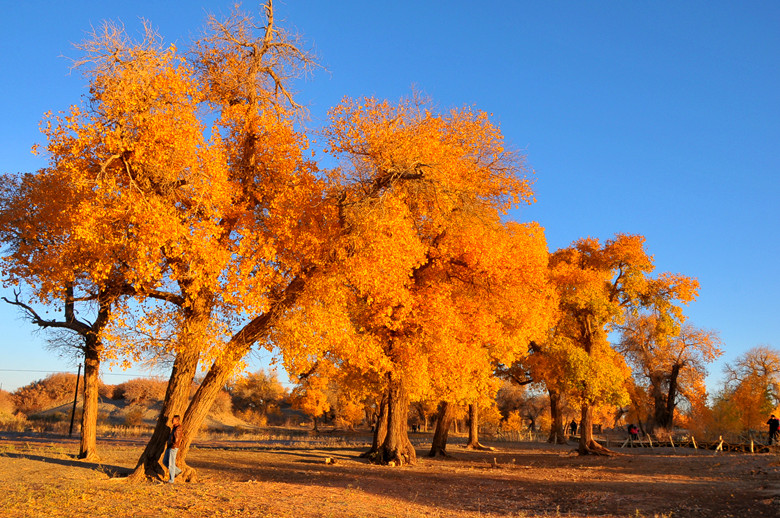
(461,151)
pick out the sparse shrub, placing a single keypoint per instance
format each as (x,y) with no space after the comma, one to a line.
(55,389)
(106,391)
(134,416)
(252,417)
(141,391)
(222,404)
(7,406)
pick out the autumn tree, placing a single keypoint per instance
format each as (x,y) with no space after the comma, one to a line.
(672,366)
(311,397)
(190,182)
(752,387)
(597,284)
(431,284)
(257,394)
(53,265)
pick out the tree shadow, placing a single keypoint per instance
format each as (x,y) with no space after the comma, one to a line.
(110,470)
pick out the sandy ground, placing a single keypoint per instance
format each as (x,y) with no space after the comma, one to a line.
(39,476)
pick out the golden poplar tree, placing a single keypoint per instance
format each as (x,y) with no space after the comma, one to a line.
(428,287)
(597,284)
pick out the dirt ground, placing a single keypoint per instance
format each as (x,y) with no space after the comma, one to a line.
(39,476)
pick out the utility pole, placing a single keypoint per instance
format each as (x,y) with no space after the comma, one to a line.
(75,398)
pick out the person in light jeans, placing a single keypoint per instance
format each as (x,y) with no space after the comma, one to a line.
(174,441)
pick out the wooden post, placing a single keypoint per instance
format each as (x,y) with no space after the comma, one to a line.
(75,398)
(720,445)
(694,442)
(751,446)
(672,441)
(650,439)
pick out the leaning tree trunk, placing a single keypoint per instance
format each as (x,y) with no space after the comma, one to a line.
(223,368)
(380,430)
(443,423)
(176,395)
(588,445)
(557,435)
(88,446)
(201,403)
(396,449)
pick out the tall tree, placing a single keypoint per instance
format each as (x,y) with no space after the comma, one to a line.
(752,386)
(669,365)
(431,285)
(214,229)
(597,284)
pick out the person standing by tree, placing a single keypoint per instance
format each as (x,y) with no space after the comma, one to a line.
(774,424)
(174,441)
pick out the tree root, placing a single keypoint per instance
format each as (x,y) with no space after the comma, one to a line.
(594,448)
(479,447)
(439,452)
(394,459)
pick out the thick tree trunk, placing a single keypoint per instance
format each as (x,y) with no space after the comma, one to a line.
(88,446)
(588,445)
(201,403)
(443,423)
(176,396)
(557,435)
(671,399)
(396,449)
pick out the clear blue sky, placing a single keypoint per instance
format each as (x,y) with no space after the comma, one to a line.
(658,118)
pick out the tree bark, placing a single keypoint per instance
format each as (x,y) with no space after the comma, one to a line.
(201,402)
(396,449)
(443,423)
(588,445)
(88,445)
(223,368)
(664,410)
(557,435)
(474,429)
(176,395)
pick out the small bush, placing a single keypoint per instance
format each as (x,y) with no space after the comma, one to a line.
(141,391)
(7,406)
(135,415)
(222,404)
(55,389)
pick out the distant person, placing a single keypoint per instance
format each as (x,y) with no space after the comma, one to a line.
(174,441)
(774,424)
(573,427)
(633,432)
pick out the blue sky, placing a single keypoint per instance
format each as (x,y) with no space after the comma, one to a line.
(657,118)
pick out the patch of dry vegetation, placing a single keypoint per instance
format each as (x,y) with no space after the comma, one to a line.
(287,476)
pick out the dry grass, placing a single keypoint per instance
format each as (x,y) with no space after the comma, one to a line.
(286,475)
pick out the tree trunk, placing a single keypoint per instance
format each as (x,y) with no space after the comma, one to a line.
(588,445)
(557,435)
(380,429)
(671,398)
(88,446)
(199,407)
(396,449)
(176,396)
(474,429)
(443,423)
